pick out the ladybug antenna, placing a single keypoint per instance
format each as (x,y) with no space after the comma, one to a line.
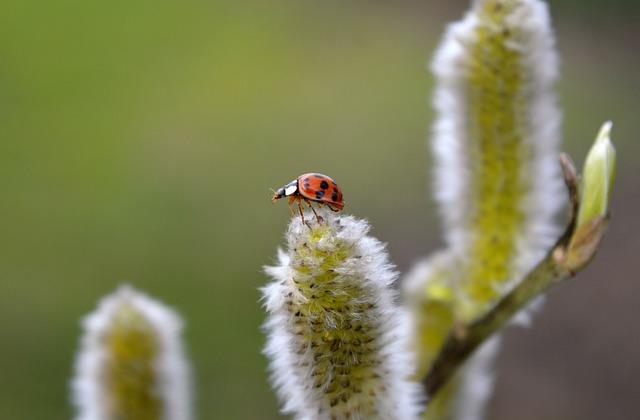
(275,195)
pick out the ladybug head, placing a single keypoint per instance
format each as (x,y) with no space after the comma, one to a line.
(286,191)
(277,195)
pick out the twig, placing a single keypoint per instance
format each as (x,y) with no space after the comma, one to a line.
(553,269)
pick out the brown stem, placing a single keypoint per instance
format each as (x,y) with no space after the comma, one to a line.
(461,343)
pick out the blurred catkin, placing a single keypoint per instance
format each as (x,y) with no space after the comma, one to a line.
(337,339)
(497,178)
(131,364)
(429,292)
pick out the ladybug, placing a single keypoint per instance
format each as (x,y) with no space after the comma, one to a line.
(312,187)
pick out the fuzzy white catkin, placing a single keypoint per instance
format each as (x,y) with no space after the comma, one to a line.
(497,175)
(537,121)
(141,322)
(476,382)
(336,337)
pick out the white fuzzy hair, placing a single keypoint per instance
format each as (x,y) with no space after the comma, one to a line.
(361,264)
(90,393)
(477,381)
(533,41)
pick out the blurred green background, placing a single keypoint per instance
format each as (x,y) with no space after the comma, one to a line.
(139,140)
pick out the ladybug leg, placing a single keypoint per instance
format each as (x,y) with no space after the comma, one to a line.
(291,200)
(302,213)
(332,209)
(318,218)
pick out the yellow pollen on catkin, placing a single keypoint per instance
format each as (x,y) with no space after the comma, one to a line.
(335,327)
(497,111)
(129,371)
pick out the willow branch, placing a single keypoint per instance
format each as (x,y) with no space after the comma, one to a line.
(559,264)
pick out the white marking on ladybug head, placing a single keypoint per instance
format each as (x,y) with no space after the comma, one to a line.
(291,188)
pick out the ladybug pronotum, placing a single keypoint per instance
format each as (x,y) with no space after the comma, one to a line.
(312,187)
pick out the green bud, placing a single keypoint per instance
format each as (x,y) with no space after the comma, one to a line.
(595,196)
(597,178)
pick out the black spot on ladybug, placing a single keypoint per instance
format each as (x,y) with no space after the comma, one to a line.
(319,194)
(334,196)
(306,180)
(324,185)
(306,185)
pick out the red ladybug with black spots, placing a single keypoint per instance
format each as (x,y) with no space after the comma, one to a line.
(312,187)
